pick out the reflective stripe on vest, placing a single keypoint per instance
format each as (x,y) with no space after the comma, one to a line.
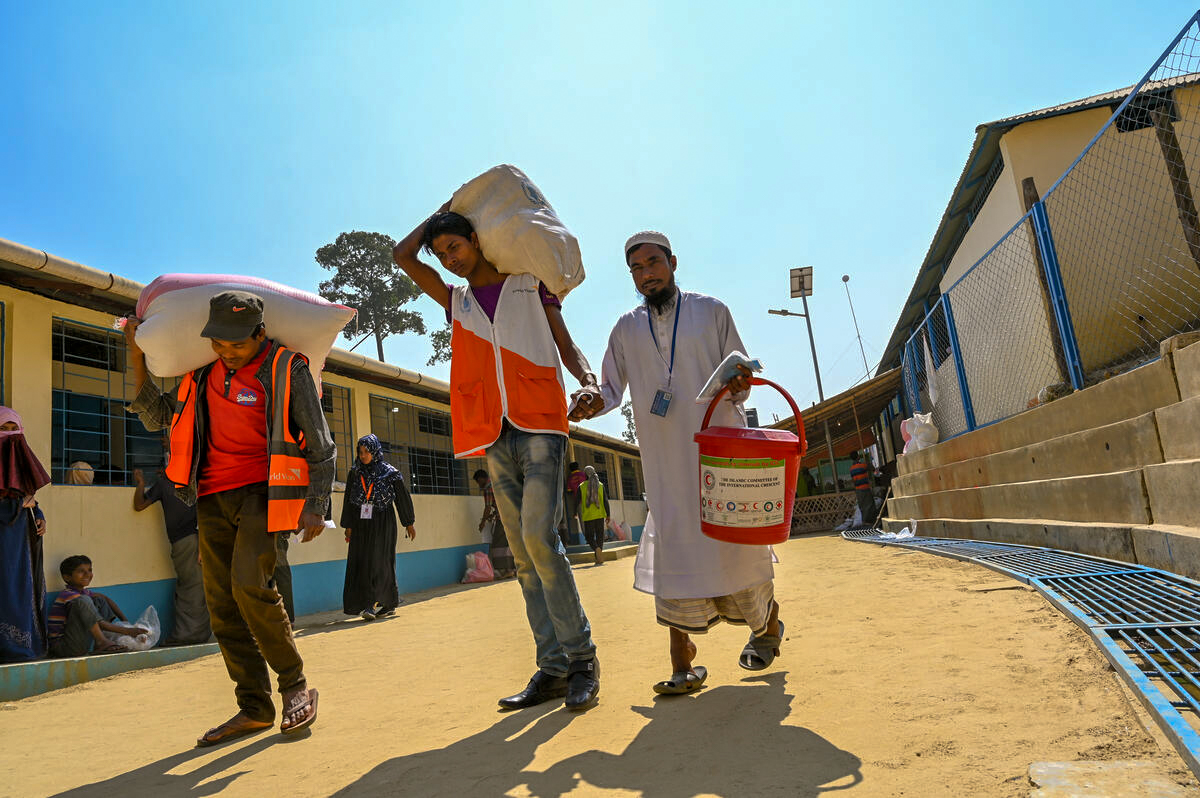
(183,433)
(287,480)
(287,477)
(506,369)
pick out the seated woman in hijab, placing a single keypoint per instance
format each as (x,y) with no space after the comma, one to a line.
(375,494)
(22,524)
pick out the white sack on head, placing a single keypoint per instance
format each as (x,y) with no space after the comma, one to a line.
(174,310)
(518,230)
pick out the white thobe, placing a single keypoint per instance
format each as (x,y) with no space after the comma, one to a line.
(675,559)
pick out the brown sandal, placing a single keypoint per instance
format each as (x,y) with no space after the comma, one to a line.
(238,726)
(300,701)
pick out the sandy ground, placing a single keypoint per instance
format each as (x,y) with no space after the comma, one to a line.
(903,674)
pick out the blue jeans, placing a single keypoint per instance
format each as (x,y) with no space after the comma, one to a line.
(527,475)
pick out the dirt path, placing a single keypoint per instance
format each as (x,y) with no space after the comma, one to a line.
(903,674)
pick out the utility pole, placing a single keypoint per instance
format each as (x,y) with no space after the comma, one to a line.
(802,286)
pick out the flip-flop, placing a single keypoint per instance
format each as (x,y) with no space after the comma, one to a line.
(683,682)
(309,701)
(228,731)
(761,651)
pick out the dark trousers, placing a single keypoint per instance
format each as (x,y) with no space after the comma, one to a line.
(248,617)
(283,576)
(593,530)
(866,506)
(191,616)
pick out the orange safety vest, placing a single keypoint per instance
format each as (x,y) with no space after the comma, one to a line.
(506,369)
(287,472)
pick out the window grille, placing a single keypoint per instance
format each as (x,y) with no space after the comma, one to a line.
(632,484)
(416,440)
(335,401)
(601,461)
(89,420)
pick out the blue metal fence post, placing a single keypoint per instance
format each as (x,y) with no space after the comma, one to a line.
(910,374)
(1058,295)
(956,353)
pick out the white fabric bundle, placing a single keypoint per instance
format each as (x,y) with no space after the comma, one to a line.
(174,310)
(518,230)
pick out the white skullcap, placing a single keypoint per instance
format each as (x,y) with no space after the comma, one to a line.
(647,237)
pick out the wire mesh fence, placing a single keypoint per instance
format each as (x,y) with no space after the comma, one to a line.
(1091,279)
(1124,221)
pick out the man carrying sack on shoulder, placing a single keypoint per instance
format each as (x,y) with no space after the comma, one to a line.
(251,450)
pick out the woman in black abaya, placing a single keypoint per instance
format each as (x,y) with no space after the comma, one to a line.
(375,495)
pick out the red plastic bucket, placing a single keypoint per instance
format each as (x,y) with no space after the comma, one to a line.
(748,478)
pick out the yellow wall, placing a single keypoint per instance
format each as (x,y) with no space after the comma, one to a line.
(999,213)
(132,547)
(1120,247)
(1116,227)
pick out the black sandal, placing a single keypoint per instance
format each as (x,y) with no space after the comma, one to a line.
(761,651)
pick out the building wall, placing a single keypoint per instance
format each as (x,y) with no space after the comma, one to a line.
(999,212)
(1129,279)
(130,551)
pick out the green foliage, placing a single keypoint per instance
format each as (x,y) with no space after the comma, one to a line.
(440,339)
(366,278)
(630,431)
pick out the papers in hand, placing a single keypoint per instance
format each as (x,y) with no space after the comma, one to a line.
(724,373)
(577,398)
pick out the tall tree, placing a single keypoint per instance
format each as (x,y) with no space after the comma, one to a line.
(440,339)
(630,431)
(366,278)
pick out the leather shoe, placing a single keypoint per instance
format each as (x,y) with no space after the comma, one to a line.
(583,684)
(541,688)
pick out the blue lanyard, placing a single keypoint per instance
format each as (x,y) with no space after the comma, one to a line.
(674,334)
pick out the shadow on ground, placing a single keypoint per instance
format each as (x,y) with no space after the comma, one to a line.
(156,778)
(730,741)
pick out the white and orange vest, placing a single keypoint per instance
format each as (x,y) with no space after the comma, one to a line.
(507,369)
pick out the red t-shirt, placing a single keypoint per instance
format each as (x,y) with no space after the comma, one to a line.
(237,428)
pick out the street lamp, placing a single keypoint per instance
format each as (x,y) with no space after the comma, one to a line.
(801,280)
(846,282)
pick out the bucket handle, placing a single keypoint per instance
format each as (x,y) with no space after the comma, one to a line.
(760,381)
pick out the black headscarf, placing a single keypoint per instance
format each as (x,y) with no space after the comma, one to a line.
(378,473)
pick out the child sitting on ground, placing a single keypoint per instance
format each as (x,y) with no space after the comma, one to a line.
(79,617)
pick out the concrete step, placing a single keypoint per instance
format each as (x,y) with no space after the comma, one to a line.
(582,555)
(1121,446)
(1187,370)
(1179,429)
(1114,498)
(1169,547)
(1125,396)
(1172,490)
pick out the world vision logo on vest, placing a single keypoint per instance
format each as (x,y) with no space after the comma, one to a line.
(288,476)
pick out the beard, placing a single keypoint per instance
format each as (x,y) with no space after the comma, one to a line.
(660,299)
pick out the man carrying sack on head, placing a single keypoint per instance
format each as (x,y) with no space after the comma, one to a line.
(251,450)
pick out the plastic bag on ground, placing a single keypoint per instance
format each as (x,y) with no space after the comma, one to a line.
(854,520)
(174,310)
(479,568)
(147,620)
(518,230)
(724,373)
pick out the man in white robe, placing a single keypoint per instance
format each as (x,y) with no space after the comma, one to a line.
(665,350)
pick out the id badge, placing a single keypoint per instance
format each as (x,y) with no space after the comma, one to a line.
(366,510)
(662,401)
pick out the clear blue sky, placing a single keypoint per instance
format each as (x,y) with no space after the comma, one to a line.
(240,137)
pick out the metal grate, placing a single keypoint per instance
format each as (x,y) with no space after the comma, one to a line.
(1148,597)
(1039,563)
(1146,621)
(1168,655)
